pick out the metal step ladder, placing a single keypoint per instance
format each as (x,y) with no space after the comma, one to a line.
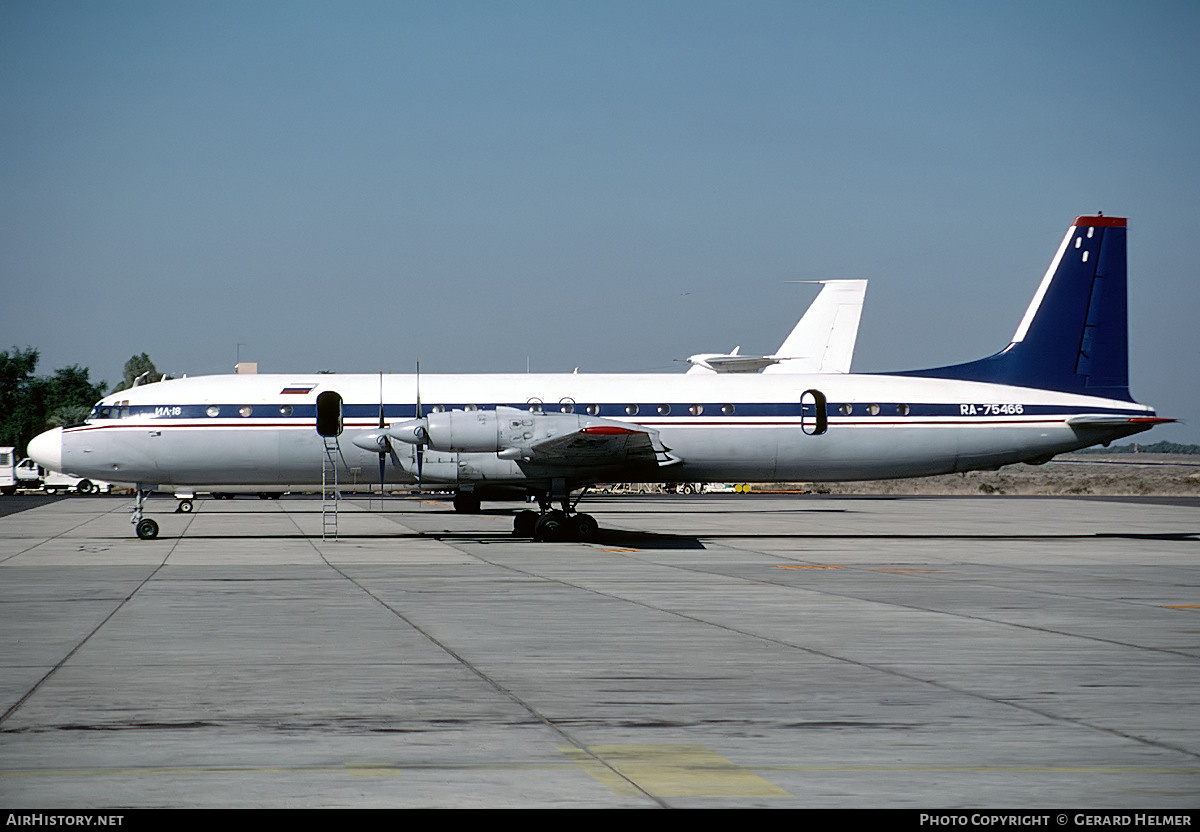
(329,489)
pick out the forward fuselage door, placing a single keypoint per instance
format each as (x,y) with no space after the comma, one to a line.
(814,416)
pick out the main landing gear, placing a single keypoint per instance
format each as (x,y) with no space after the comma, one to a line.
(556,525)
(146,528)
(562,524)
(467,502)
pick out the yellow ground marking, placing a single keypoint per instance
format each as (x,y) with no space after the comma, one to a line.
(1182,606)
(813,566)
(671,771)
(620,550)
(372,769)
(905,570)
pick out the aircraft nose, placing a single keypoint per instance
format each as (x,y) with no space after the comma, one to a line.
(46,449)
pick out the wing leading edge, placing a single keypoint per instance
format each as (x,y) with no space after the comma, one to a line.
(554,440)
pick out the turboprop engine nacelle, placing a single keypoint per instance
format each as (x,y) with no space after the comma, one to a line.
(506,431)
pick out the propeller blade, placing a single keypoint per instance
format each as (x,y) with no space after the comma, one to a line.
(420,446)
(385,444)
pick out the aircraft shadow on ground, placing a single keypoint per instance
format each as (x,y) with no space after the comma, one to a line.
(662,540)
(605,537)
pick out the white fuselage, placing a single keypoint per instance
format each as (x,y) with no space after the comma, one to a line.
(260,429)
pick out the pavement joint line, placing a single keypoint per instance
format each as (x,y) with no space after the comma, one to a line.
(16,706)
(43,541)
(495,685)
(881,668)
(923,574)
(676,770)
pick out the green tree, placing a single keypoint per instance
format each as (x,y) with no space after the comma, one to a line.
(69,394)
(19,418)
(29,403)
(136,366)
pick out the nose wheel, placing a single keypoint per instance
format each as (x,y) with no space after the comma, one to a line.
(145,528)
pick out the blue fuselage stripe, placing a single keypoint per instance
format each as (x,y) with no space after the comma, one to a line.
(678,412)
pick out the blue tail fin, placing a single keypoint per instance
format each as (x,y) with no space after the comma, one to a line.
(1074,337)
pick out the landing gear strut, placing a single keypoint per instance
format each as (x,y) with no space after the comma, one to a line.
(554,525)
(146,528)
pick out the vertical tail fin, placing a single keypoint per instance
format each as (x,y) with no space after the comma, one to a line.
(1074,337)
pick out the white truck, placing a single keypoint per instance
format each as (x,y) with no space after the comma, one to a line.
(29,475)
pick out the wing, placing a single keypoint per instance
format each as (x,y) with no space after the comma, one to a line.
(731,363)
(602,446)
(570,441)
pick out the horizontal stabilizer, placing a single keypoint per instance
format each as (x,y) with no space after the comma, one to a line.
(1103,421)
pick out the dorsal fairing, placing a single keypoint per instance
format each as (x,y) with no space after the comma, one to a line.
(1073,337)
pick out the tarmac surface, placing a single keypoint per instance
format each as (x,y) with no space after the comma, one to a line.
(711,651)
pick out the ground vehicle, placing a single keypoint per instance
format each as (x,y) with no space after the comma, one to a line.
(709,488)
(14,475)
(28,474)
(8,479)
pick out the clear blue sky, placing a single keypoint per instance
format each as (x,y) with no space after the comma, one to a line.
(603,185)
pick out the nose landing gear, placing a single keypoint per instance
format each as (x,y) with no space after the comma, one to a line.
(146,528)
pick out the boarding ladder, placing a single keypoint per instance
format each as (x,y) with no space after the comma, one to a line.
(329,489)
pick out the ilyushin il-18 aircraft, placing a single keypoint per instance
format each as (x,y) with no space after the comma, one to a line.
(1061,384)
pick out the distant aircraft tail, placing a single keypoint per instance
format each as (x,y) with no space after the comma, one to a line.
(823,340)
(1074,337)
